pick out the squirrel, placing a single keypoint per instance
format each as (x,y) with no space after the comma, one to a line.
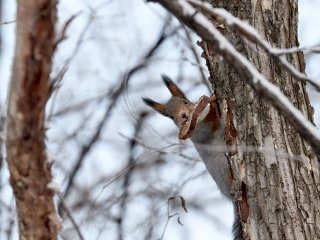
(201,122)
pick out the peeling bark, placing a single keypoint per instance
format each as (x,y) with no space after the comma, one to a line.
(29,171)
(281,175)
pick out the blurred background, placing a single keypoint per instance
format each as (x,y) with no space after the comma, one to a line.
(121,170)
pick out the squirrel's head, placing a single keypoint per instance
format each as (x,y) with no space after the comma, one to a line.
(178,108)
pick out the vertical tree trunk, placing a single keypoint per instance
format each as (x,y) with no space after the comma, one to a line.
(276,171)
(29,171)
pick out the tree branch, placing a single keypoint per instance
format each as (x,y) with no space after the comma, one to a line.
(252,35)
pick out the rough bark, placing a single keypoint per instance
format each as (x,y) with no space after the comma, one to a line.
(277,173)
(29,171)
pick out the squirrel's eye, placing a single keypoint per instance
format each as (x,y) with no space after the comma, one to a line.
(185,101)
(183,115)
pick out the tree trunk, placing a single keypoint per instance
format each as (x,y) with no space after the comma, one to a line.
(29,171)
(276,172)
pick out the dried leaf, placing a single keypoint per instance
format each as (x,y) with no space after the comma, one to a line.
(183,203)
(179,221)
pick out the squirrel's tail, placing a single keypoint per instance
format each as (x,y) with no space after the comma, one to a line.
(237,226)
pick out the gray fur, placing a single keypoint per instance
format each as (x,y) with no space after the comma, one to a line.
(212,150)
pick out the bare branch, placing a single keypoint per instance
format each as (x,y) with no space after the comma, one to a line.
(296,49)
(171,215)
(75,225)
(128,174)
(7,22)
(56,80)
(196,57)
(62,35)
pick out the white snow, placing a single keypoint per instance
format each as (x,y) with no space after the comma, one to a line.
(252,35)
(55,187)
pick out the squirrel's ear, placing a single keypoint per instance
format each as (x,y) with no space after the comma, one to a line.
(160,108)
(173,88)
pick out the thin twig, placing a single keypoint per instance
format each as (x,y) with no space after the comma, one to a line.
(62,34)
(292,50)
(169,216)
(128,174)
(55,81)
(196,57)
(8,22)
(68,212)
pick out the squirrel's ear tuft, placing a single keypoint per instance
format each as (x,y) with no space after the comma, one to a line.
(148,101)
(167,80)
(160,108)
(173,88)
